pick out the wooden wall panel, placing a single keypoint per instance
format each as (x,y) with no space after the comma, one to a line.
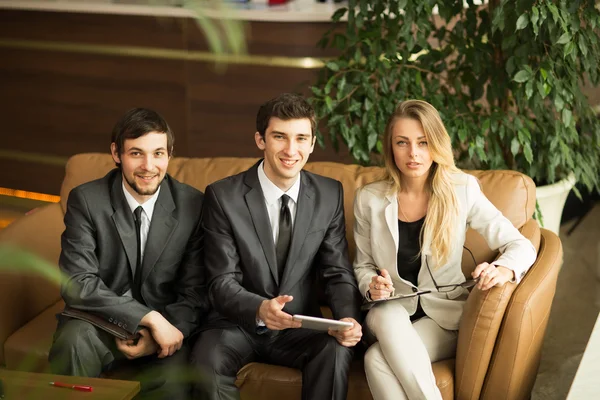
(297,39)
(59,101)
(104,29)
(63,103)
(31,176)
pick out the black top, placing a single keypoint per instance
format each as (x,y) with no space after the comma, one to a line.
(409,259)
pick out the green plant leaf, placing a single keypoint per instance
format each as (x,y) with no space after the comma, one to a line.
(567,115)
(332,65)
(338,14)
(329,103)
(535,15)
(528,153)
(522,22)
(564,38)
(529,89)
(485,126)
(554,12)
(569,48)
(522,76)
(558,103)
(582,46)
(372,140)
(515,146)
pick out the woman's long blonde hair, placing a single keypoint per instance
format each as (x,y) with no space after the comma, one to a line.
(442,210)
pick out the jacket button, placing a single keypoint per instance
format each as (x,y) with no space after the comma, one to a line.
(120,324)
(124,326)
(110,319)
(414,289)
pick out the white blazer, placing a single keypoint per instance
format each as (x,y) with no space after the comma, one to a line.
(376,236)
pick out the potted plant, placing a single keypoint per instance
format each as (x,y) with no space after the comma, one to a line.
(506,77)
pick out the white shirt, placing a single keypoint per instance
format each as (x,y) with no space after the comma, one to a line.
(272,195)
(147,210)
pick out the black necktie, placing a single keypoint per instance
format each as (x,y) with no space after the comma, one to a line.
(137,213)
(285,235)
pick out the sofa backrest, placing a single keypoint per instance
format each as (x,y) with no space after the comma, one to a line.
(510,191)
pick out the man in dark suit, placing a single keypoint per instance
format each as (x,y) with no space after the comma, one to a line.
(132,253)
(271,231)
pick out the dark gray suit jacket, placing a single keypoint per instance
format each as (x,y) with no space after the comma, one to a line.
(99,254)
(240,259)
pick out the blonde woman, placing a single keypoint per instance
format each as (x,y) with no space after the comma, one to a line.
(409,232)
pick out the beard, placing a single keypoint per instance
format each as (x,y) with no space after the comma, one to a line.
(148,191)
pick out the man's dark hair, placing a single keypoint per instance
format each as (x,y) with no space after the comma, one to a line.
(138,122)
(285,107)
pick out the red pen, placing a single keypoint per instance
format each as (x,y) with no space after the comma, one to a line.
(70,386)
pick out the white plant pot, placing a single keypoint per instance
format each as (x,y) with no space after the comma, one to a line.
(551,199)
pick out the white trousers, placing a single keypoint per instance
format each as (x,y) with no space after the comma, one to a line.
(398,365)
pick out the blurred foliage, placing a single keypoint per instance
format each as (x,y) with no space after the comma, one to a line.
(506,78)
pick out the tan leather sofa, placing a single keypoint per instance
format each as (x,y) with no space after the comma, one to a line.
(500,335)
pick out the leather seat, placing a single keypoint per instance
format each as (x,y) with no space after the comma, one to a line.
(500,334)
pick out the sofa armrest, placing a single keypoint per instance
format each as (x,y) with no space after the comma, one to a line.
(477,332)
(23,294)
(517,354)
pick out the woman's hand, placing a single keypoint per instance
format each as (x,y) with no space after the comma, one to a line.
(490,275)
(381,286)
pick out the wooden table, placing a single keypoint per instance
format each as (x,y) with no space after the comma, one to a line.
(20,385)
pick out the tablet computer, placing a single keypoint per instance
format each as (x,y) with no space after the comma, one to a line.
(372,303)
(322,324)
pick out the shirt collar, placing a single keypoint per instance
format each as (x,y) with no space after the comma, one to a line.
(271,192)
(148,206)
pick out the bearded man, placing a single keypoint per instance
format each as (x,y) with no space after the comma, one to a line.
(132,255)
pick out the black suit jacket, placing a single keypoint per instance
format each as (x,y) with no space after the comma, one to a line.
(240,259)
(99,254)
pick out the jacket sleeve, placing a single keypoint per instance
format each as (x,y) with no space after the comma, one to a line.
(192,299)
(224,274)
(364,265)
(516,252)
(82,287)
(335,268)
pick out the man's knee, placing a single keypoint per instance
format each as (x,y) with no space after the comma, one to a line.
(78,349)
(330,347)
(74,335)
(215,352)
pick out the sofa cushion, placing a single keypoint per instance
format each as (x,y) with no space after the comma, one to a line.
(27,349)
(265,381)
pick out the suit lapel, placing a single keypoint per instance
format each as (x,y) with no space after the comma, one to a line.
(391,218)
(123,220)
(255,202)
(162,226)
(304,212)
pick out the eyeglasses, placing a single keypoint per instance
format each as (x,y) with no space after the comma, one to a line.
(448,288)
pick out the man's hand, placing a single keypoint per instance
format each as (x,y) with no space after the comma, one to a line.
(349,337)
(168,338)
(381,286)
(270,312)
(491,275)
(145,346)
